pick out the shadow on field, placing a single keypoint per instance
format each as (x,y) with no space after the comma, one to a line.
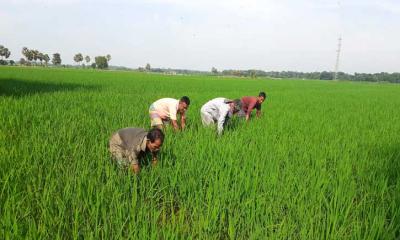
(21,88)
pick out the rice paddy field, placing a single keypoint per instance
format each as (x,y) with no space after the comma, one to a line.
(323,161)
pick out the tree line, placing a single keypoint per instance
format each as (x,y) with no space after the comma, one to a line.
(252,73)
(35,57)
(324,75)
(99,61)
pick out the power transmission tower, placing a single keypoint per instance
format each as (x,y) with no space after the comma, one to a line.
(337,58)
(339,41)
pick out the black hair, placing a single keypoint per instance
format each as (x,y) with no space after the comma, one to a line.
(185,99)
(155,134)
(238,105)
(262,94)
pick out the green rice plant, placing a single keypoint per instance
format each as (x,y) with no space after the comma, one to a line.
(322,162)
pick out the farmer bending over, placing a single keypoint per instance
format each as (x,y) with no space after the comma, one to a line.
(165,109)
(219,110)
(249,103)
(129,145)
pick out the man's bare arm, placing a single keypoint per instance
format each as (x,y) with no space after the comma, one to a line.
(183,121)
(154,159)
(175,124)
(250,109)
(135,168)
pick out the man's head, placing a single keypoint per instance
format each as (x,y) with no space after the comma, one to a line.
(261,97)
(155,139)
(184,103)
(237,105)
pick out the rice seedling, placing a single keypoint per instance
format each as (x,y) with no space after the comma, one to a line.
(323,161)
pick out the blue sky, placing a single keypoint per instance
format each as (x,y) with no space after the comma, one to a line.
(228,34)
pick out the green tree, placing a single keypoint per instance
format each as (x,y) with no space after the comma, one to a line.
(56,59)
(78,58)
(108,57)
(253,73)
(87,59)
(27,53)
(326,75)
(4,52)
(101,62)
(35,55)
(46,58)
(214,70)
(40,57)
(148,67)
(22,61)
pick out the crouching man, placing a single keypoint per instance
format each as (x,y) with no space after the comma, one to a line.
(128,145)
(219,110)
(166,109)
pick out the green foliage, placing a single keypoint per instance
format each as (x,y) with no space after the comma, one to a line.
(27,53)
(148,67)
(33,55)
(101,62)
(87,59)
(56,59)
(365,77)
(78,58)
(326,75)
(4,53)
(46,58)
(22,61)
(323,161)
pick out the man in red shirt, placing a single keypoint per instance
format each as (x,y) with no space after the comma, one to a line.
(249,103)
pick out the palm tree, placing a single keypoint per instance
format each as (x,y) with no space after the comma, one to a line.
(40,57)
(35,54)
(46,58)
(4,52)
(27,53)
(78,57)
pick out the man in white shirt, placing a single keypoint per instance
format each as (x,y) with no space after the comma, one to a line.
(166,109)
(219,110)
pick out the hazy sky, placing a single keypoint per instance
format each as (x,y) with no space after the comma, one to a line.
(228,34)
